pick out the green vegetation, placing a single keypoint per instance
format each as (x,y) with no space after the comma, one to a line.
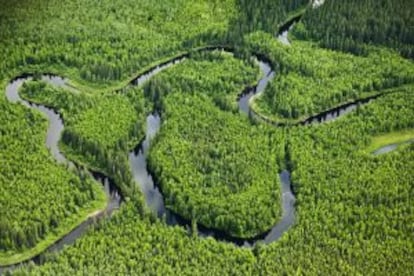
(217,168)
(354,212)
(99,129)
(311,80)
(353,208)
(129,244)
(396,137)
(353,24)
(216,74)
(55,199)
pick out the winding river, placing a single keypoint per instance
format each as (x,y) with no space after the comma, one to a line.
(53,135)
(322,117)
(138,158)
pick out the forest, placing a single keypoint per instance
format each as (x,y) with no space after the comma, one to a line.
(344,215)
(215,167)
(47,211)
(218,74)
(223,173)
(354,25)
(305,71)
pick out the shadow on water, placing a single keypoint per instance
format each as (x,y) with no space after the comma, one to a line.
(245,97)
(138,159)
(320,118)
(54,132)
(155,199)
(267,16)
(336,112)
(283,32)
(153,194)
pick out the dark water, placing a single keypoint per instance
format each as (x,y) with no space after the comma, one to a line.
(336,112)
(157,69)
(155,200)
(244,100)
(54,132)
(283,32)
(138,158)
(322,117)
(138,163)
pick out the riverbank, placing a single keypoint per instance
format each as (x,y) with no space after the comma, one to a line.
(392,138)
(94,210)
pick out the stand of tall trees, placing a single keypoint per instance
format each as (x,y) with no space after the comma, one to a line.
(354,209)
(263,15)
(217,74)
(99,129)
(39,198)
(217,168)
(311,80)
(351,24)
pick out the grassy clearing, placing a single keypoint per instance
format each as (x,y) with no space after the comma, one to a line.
(396,137)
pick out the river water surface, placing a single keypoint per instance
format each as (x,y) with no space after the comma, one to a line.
(138,158)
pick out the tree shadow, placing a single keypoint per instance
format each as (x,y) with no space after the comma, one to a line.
(263,15)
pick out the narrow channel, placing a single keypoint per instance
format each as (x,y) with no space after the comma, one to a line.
(54,132)
(138,159)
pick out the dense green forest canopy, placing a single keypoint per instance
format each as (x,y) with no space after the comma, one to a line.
(213,166)
(311,80)
(263,15)
(40,200)
(352,24)
(352,206)
(216,168)
(105,120)
(367,223)
(354,212)
(218,74)
(106,41)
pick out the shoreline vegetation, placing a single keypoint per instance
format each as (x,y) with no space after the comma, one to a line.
(353,211)
(392,138)
(95,209)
